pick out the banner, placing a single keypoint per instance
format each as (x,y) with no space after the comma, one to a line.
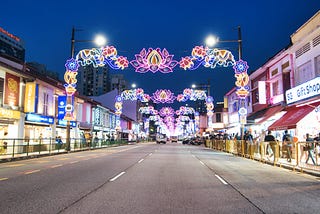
(12,90)
(30,97)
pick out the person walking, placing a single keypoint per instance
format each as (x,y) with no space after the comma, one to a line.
(310,148)
(286,140)
(269,138)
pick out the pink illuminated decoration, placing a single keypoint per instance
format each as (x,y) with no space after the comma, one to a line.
(185,111)
(190,94)
(154,60)
(148,110)
(135,94)
(99,57)
(207,57)
(163,96)
(166,111)
(242,79)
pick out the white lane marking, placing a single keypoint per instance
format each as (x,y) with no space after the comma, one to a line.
(33,171)
(3,179)
(55,166)
(193,156)
(116,177)
(223,181)
(141,160)
(150,154)
(202,163)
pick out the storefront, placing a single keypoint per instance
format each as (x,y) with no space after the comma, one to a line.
(299,120)
(37,126)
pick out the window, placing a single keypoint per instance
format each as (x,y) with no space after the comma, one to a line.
(1,90)
(275,88)
(218,117)
(45,103)
(304,73)
(317,65)
(274,72)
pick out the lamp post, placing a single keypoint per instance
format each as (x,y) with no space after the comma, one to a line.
(211,41)
(99,41)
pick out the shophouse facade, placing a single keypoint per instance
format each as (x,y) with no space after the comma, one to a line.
(303,98)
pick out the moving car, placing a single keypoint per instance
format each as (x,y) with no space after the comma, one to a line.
(161,139)
(174,139)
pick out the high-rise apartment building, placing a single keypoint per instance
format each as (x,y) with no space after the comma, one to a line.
(93,81)
(11,45)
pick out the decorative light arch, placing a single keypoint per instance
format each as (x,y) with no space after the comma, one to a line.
(154,60)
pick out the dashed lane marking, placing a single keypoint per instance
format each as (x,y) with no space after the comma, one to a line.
(3,179)
(117,176)
(30,172)
(141,160)
(15,165)
(55,166)
(202,163)
(223,181)
(74,162)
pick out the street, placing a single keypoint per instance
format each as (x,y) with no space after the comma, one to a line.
(152,178)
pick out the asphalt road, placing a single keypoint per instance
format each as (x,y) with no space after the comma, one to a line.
(151,178)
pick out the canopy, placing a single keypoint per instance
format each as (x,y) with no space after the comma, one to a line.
(290,119)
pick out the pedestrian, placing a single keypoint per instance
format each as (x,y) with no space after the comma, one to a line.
(269,138)
(4,143)
(248,139)
(310,148)
(287,140)
(59,142)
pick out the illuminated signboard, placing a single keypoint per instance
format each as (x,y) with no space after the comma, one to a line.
(303,91)
(39,118)
(64,123)
(6,113)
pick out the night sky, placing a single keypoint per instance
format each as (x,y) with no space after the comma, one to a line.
(178,26)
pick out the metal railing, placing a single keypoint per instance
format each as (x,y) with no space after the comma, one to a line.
(273,152)
(13,148)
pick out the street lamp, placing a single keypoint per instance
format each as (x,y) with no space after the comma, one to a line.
(99,41)
(212,41)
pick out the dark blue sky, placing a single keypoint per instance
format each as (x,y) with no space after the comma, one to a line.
(178,26)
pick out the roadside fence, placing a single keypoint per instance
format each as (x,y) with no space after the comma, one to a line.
(14,148)
(298,155)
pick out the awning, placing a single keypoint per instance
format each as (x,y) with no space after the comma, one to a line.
(263,115)
(270,112)
(290,119)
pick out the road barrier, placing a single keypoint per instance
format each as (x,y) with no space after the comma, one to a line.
(273,152)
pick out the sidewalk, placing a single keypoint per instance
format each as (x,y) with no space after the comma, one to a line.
(293,165)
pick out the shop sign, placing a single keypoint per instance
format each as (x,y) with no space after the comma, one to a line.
(30,97)
(12,90)
(303,91)
(10,114)
(39,118)
(262,92)
(98,128)
(64,123)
